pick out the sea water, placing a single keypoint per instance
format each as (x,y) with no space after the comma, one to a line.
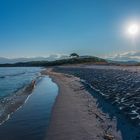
(13,79)
(29,122)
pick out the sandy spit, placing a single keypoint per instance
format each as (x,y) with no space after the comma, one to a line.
(75,115)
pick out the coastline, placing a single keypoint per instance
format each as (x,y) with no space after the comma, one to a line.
(15,102)
(75,114)
(32,119)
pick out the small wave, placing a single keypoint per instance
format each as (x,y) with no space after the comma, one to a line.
(11,75)
(2,77)
(10,104)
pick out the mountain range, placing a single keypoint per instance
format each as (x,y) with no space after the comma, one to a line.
(127,58)
(4,60)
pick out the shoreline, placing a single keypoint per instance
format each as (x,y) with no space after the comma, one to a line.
(16,101)
(32,119)
(113,87)
(75,114)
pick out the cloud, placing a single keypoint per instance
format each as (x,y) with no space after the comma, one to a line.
(126,56)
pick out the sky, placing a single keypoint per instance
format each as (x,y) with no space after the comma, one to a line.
(31,28)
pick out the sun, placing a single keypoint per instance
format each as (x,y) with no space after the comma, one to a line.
(133,29)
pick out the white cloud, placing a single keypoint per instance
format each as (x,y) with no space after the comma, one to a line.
(126,56)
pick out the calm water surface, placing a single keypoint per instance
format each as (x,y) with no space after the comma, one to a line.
(30,122)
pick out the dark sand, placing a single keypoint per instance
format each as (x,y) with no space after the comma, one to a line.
(116,89)
(75,114)
(119,85)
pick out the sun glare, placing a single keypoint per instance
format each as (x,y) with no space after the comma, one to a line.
(133,29)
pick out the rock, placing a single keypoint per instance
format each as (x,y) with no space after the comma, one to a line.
(108,137)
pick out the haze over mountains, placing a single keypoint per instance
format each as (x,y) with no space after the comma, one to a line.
(4,60)
(130,57)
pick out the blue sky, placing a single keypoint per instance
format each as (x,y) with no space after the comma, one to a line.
(30,28)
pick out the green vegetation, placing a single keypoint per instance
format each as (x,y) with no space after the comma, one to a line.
(74,55)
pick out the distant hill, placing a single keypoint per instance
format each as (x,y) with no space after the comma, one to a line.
(79,60)
(123,62)
(16,60)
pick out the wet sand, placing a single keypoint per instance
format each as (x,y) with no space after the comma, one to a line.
(75,115)
(116,89)
(117,84)
(12,103)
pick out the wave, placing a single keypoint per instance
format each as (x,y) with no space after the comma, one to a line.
(11,75)
(10,104)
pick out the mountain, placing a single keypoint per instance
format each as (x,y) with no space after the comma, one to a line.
(123,62)
(78,60)
(16,60)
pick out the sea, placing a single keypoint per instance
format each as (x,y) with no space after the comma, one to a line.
(31,119)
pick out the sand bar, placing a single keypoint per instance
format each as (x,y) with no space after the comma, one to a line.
(75,115)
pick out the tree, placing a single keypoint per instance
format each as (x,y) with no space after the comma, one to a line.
(74,55)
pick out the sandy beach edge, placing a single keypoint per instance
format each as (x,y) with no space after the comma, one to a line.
(16,101)
(75,115)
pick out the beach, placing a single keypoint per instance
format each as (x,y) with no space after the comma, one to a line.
(75,102)
(117,84)
(116,90)
(75,115)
